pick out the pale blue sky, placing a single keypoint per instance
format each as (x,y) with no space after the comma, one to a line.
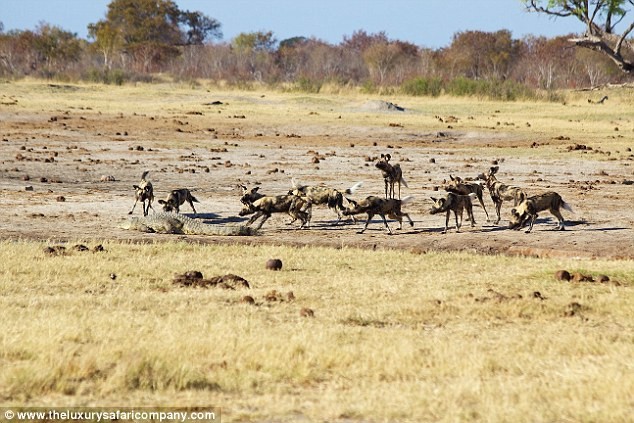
(427,23)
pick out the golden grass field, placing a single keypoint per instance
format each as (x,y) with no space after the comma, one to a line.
(395,336)
(416,327)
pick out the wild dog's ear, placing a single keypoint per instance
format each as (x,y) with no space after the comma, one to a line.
(388,157)
(162,202)
(451,177)
(243,188)
(254,190)
(136,187)
(433,199)
(494,170)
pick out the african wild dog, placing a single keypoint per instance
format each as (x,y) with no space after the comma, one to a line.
(392,174)
(527,210)
(318,195)
(458,186)
(177,198)
(297,207)
(143,192)
(501,192)
(374,205)
(456,203)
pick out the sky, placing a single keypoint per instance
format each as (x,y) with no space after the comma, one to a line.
(426,23)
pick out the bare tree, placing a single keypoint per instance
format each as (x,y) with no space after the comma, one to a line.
(600,18)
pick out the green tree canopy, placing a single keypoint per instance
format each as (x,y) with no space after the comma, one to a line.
(254,41)
(150,30)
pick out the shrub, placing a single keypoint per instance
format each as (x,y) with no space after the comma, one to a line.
(307,85)
(422,86)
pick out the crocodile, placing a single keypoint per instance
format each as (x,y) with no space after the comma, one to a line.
(173,223)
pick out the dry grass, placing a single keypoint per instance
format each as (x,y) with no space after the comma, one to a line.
(396,336)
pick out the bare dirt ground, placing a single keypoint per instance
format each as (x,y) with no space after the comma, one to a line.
(54,160)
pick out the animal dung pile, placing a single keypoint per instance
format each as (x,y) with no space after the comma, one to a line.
(564,275)
(194,278)
(273,264)
(306,312)
(247,299)
(275,296)
(61,250)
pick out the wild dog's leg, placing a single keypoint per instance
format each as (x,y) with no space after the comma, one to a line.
(386,186)
(411,222)
(191,203)
(470,214)
(447,221)
(559,217)
(254,218)
(458,223)
(367,222)
(498,209)
(533,218)
(136,201)
(385,222)
(482,204)
(264,219)
(305,219)
(146,210)
(149,206)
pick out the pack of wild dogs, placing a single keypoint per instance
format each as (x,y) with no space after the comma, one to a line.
(300,199)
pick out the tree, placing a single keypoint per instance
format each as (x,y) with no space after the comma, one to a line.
(254,55)
(600,17)
(107,40)
(481,55)
(150,30)
(254,41)
(56,46)
(361,40)
(199,27)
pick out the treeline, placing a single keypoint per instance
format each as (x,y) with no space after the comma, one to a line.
(186,46)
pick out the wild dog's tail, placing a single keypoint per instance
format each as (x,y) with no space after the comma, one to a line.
(295,183)
(473,196)
(195,200)
(404,182)
(144,174)
(354,188)
(566,206)
(350,201)
(407,199)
